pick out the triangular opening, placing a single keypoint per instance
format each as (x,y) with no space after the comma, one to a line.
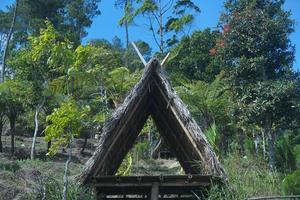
(150,155)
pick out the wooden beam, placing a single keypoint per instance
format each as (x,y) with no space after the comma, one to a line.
(139,54)
(155,191)
(174,112)
(174,135)
(119,131)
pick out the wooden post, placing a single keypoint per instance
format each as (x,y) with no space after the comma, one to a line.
(155,191)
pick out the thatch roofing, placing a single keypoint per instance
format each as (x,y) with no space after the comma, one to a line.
(154,96)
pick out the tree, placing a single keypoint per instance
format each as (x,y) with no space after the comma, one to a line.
(126,20)
(65,123)
(192,58)
(2,118)
(14,95)
(258,54)
(69,18)
(79,16)
(2,74)
(35,64)
(162,22)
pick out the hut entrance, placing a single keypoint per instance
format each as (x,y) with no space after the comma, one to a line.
(152,96)
(140,161)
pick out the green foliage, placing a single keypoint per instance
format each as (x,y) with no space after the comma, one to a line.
(297,154)
(127,18)
(65,123)
(285,157)
(70,18)
(259,60)
(125,168)
(14,96)
(192,57)
(42,62)
(212,135)
(291,183)
(161,21)
(209,103)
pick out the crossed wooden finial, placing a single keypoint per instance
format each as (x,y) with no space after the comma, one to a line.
(142,58)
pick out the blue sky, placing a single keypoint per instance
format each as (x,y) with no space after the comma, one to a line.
(106,25)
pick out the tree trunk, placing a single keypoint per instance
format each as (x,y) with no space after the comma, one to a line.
(270,135)
(127,34)
(264,144)
(12,133)
(1,128)
(36,122)
(271,150)
(126,25)
(48,146)
(241,141)
(84,144)
(67,170)
(5,52)
(161,33)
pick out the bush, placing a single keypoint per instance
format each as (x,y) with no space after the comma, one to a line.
(291,183)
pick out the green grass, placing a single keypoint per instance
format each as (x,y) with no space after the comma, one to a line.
(248,177)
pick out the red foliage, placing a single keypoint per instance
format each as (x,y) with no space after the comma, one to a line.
(220,43)
(226,28)
(213,51)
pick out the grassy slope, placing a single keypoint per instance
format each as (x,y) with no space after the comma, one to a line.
(248,177)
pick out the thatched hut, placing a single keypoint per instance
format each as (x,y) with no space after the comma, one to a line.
(152,96)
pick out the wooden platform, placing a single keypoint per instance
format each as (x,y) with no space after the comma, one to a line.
(152,187)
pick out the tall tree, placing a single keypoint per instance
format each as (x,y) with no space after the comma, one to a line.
(69,17)
(65,123)
(5,51)
(165,17)
(34,64)
(2,118)
(127,6)
(257,51)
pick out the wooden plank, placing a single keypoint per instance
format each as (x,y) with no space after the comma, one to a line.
(150,179)
(155,191)
(145,190)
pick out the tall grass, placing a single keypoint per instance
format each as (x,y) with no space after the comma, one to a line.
(248,177)
(51,189)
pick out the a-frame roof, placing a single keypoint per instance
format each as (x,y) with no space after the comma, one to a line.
(154,96)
